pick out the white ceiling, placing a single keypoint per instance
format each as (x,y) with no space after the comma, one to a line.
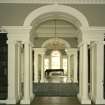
(63,29)
(55,1)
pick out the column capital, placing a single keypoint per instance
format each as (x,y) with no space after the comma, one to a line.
(71,51)
(43,53)
(11,41)
(19,44)
(35,51)
(95,43)
(68,51)
(99,42)
(40,50)
(28,43)
(84,42)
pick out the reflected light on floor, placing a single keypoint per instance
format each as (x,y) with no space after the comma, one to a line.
(56,79)
(64,80)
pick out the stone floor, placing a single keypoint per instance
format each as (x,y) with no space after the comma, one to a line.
(58,82)
(56,89)
(56,86)
(55,101)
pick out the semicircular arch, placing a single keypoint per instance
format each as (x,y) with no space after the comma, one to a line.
(56,9)
(67,45)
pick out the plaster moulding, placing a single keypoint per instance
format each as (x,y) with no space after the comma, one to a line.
(17,29)
(55,1)
(15,32)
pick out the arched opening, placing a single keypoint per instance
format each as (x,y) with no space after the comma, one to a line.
(64,41)
(69,25)
(57,9)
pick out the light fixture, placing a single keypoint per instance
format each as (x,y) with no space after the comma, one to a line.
(55,43)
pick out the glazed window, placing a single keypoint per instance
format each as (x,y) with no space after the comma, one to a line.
(55,59)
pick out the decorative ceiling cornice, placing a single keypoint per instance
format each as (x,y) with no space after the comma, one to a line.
(55,1)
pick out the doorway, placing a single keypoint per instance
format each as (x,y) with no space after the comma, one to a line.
(3,66)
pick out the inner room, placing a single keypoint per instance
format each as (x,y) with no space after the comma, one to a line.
(55,57)
(58,44)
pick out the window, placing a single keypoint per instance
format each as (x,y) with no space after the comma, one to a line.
(55,59)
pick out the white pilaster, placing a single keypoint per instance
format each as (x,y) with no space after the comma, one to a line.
(26,98)
(12,77)
(80,68)
(98,70)
(92,68)
(22,68)
(68,66)
(35,65)
(83,81)
(42,68)
(75,68)
(31,75)
(19,69)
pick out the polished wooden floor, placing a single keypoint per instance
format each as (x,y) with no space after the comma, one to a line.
(55,101)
